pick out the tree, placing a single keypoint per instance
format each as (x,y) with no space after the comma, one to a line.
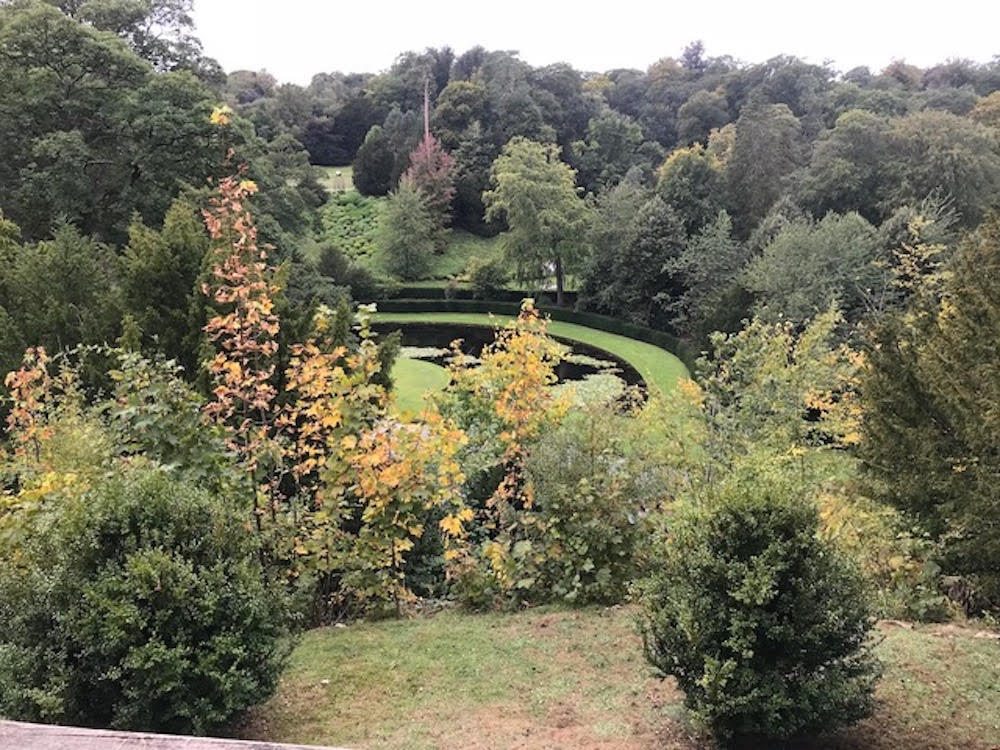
(610,231)
(64,87)
(938,151)
(136,602)
(373,164)
(766,150)
(930,427)
(987,110)
(159,31)
(613,144)
(644,280)
(809,264)
(65,291)
(473,159)
(709,269)
(535,192)
(431,173)
(692,183)
(460,104)
(242,334)
(847,170)
(566,107)
(158,279)
(700,115)
(408,233)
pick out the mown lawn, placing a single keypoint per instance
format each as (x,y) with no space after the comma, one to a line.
(337,179)
(552,678)
(658,367)
(413,379)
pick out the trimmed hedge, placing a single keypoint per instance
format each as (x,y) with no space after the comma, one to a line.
(469,293)
(592,320)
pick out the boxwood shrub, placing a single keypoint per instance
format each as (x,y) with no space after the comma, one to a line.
(137,604)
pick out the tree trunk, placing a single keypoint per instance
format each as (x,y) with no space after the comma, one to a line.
(559,281)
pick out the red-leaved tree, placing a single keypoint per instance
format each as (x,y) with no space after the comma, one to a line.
(432,172)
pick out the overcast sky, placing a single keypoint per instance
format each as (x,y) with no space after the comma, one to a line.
(293,39)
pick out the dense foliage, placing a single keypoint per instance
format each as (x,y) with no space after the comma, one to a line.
(136,601)
(930,418)
(765,627)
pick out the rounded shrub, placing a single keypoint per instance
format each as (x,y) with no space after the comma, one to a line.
(137,603)
(765,627)
(487,275)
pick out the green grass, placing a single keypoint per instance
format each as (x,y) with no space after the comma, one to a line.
(337,179)
(414,379)
(547,677)
(462,247)
(350,221)
(658,367)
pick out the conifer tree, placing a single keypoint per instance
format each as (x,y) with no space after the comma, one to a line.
(932,427)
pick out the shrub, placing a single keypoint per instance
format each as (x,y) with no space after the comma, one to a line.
(336,266)
(487,275)
(592,494)
(137,603)
(765,627)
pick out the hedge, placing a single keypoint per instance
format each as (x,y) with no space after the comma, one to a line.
(469,293)
(592,320)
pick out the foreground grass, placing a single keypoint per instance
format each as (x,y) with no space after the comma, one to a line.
(658,367)
(413,379)
(548,678)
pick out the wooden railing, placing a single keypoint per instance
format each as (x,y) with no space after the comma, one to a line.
(19,736)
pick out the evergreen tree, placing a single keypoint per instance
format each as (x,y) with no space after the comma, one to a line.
(932,427)
(160,270)
(407,234)
(373,165)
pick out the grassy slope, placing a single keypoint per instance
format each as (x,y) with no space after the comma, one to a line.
(462,247)
(547,678)
(657,366)
(413,379)
(335,183)
(350,221)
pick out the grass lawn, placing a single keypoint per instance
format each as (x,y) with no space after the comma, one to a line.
(413,379)
(337,179)
(462,247)
(658,367)
(552,678)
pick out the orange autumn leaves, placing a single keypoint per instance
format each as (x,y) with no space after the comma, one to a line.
(327,449)
(245,330)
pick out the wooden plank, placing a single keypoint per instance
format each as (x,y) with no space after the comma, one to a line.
(16,735)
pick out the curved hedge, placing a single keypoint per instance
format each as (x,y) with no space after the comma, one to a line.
(592,320)
(469,293)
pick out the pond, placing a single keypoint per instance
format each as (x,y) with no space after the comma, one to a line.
(584,364)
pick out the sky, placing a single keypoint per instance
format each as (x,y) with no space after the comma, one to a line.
(293,39)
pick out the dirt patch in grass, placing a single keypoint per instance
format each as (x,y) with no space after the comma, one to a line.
(551,678)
